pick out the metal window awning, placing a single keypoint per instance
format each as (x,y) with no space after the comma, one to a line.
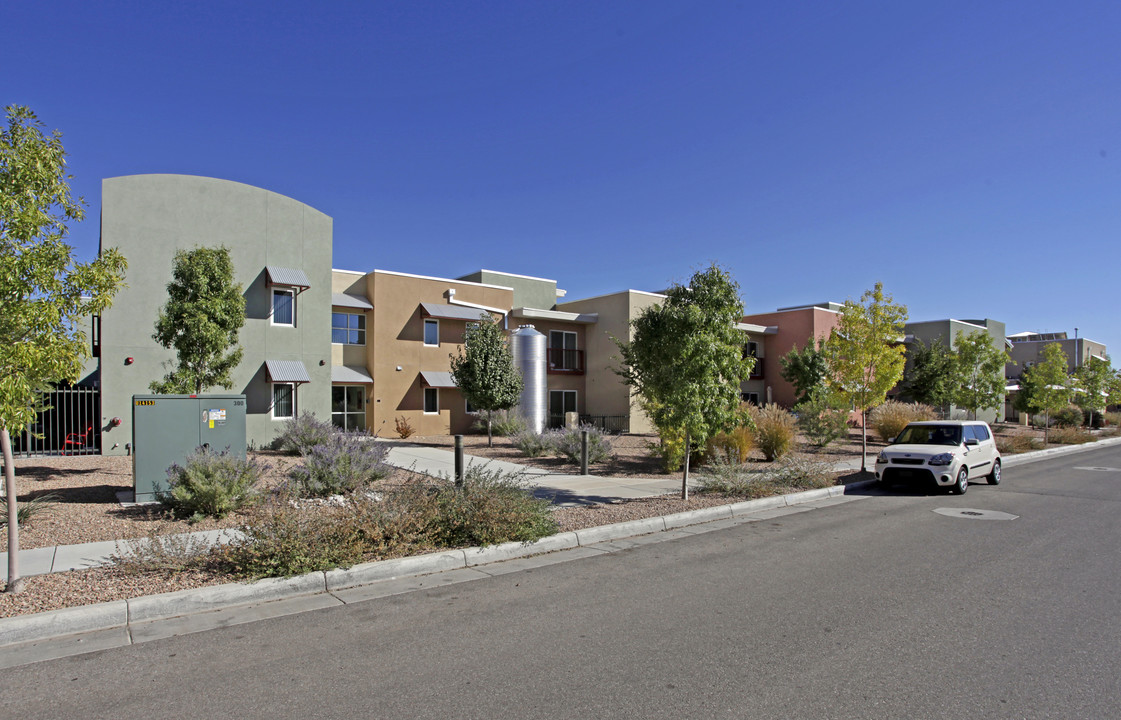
(286,371)
(350,301)
(437,379)
(453,312)
(288,277)
(350,374)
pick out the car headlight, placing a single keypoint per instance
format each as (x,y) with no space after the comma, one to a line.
(882,457)
(942,459)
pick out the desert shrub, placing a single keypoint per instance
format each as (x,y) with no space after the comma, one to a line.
(161,552)
(503,423)
(821,421)
(733,446)
(1111,419)
(491,507)
(567,444)
(284,537)
(889,419)
(1017,443)
(210,484)
(774,430)
(343,463)
(533,444)
(405,429)
(1068,417)
(802,473)
(724,475)
(25,511)
(1069,436)
(302,433)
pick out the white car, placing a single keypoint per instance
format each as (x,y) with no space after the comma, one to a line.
(951,453)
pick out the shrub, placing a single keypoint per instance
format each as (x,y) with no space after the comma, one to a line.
(1111,419)
(210,485)
(724,475)
(1017,443)
(821,421)
(503,423)
(1068,417)
(25,511)
(1070,436)
(670,448)
(405,429)
(802,473)
(733,446)
(343,463)
(774,431)
(302,433)
(161,552)
(532,444)
(568,444)
(492,507)
(889,419)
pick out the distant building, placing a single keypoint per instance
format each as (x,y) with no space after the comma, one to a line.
(946,332)
(774,334)
(1027,350)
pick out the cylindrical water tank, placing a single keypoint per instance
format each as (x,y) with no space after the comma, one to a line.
(528,347)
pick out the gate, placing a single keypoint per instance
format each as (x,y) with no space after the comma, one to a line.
(68,424)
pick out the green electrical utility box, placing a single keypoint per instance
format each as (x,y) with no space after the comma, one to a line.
(166,429)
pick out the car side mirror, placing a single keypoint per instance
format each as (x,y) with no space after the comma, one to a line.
(972,441)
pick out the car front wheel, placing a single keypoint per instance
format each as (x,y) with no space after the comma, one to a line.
(962,484)
(994,476)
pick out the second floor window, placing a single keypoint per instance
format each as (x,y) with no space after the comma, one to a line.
(348,329)
(432,332)
(283,307)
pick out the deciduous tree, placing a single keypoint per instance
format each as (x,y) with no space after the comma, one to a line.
(484,370)
(686,360)
(865,354)
(201,320)
(1045,386)
(44,293)
(805,369)
(1099,386)
(930,377)
(979,372)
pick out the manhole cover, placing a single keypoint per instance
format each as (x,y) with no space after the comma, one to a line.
(1099,469)
(971,514)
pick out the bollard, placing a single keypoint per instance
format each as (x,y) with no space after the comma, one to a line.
(459,461)
(583,452)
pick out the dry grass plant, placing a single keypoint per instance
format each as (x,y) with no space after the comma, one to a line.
(889,419)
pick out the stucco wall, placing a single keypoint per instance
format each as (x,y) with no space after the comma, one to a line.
(149,218)
(796,328)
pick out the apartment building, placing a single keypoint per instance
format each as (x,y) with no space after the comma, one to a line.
(1026,349)
(946,332)
(774,334)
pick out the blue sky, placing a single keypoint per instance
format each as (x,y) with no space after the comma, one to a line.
(967,155)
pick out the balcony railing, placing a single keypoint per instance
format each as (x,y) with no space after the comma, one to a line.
(563,361)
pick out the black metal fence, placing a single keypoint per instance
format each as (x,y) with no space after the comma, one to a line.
(68,424)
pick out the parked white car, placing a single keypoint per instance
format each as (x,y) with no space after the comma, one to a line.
(951,453)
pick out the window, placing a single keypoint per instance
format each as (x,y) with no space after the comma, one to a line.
(432,332)
(431,400)
(749,397)
(560,402)
(468,407)
(751,349)
(283,307)
(562,350)
(348,407)
(348,328)
(283,401)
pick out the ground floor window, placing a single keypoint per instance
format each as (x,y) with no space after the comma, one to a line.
(750,397)
(560,402)
(283,401)
(348,407)
(431,400)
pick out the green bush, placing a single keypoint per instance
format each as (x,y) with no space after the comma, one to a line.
(302,433)
(210,485)
(568,443)
(774,431)
(889,419)
(492,507)
(821,420)
(343,463)
(533,444)
(670,449)
(733,446)
(1068,417)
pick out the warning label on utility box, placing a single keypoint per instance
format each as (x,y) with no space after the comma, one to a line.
(215,417)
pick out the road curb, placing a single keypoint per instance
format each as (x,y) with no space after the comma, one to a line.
(37,627)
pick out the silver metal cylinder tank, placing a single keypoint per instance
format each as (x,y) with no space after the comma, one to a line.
(528,347)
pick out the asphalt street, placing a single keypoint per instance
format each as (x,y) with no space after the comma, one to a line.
(904,604)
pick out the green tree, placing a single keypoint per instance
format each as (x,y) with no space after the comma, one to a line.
(805,369)
(686,360)
(44,293)
(1045,386)
(865,354)
(979,371)
(484,370)
(204,312)
(930,377)
(1099,386)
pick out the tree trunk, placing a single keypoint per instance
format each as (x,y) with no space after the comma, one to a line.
(15,582)
(685,475)
(490,437)
(863,440)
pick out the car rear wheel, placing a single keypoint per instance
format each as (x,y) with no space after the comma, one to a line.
(962,484)
(994,476)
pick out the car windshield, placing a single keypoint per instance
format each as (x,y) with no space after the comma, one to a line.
(930,435)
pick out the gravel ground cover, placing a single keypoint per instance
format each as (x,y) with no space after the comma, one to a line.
(87,510)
